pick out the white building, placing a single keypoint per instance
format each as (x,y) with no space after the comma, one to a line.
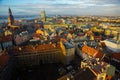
(113,45)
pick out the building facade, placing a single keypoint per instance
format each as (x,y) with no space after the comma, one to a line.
(39,54)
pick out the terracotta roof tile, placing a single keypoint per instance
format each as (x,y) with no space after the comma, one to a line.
(91,51)
(27,49)
(45,47)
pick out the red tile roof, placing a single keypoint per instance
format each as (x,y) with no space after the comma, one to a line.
(46,47)
(25,49)
(92,52)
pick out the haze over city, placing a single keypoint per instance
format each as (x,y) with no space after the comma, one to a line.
(62,7)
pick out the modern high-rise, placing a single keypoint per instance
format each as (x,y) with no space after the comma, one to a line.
(43,16)
(10,18)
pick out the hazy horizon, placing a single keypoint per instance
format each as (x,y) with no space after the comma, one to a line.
(62,7)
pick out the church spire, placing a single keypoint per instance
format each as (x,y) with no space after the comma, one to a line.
(43,16)
(10,18)
(10,13)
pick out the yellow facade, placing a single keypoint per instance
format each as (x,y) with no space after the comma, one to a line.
(9,21)
(39,32)
(7,32)
(63,55)
(108,32)
(91,37)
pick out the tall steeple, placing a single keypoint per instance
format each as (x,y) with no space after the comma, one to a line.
(10,11)
(10,18)
(43,16)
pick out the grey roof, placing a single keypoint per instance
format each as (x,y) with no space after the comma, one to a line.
(68,45)
(58,30)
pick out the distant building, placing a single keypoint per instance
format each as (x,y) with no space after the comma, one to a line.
(90,35)
(40,35)
(37,25)
(112,45)
(108,32)
(43,16)
(21,37)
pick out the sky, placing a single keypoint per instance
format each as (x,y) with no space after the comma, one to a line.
(61,7)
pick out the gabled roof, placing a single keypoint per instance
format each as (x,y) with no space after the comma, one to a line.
(92,52)
(68,45)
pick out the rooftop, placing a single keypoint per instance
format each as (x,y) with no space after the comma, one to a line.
(32,49)
(92,52)
(113,41)
(68,45)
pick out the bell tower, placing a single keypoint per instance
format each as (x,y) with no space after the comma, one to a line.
(43,16)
